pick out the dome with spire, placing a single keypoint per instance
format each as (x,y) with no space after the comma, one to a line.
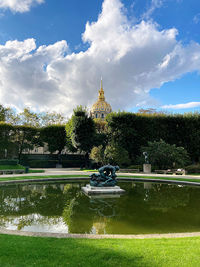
(101,108)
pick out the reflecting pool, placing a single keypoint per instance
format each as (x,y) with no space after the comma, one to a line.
(64,208)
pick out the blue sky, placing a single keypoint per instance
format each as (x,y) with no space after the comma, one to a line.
(147,51)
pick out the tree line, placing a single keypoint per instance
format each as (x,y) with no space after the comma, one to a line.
(120,139)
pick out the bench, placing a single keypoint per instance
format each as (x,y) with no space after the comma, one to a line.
(18,171)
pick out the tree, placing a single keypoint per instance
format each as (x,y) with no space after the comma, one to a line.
(116,155)
(2,113)
(55,137)
(6,140)
(97,154)
(51,118)
(28,118)
(25,137)
(166,156)
(81,132)
(68,129)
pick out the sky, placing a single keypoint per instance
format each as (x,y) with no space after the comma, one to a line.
(54,53)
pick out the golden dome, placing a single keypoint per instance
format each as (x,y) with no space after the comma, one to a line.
(101,108)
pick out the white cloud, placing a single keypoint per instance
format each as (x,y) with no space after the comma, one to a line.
(183,106)
(131,58)
(153,6)
(19,5)
(196,18)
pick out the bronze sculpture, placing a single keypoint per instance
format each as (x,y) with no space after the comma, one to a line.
(105,177)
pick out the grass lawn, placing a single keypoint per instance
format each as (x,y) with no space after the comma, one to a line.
(40,177)
(84,175)
(19,251)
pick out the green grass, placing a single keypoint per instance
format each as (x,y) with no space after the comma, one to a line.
(85,170)
(19,251)
(11,167)
(84,175)
(40,177)
(164,178)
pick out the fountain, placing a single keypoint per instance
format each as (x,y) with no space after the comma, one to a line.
(103,182)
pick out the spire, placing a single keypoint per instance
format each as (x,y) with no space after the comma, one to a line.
(101,84)
(101,92)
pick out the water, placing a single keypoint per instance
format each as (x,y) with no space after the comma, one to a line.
(63,208)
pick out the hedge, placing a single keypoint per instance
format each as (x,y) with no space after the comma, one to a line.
(195,168)
(132,131)
(8,162)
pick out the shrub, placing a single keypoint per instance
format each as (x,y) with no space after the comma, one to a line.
(42,163)
(11,167)
(116,155)
(8,162)
(195,168)
(165,155)
(97,154)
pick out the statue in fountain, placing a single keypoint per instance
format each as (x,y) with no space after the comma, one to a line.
(105,177)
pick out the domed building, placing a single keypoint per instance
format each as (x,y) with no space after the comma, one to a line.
(101,108)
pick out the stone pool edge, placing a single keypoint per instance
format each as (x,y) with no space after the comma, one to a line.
(151,180)
(92,236)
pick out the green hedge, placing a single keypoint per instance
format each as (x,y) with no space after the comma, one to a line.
(8,162)
(195,168)
(42,163)
(11,167)
(132,131)
(72,163)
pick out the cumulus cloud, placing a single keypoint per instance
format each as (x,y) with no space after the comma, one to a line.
(19,5)
(132,59)
(182,106)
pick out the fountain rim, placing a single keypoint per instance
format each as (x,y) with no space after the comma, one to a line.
(93,236)
(120,179)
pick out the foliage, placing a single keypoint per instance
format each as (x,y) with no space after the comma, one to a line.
(116,155)
(68,129)
(166,156)
(8,162)
(30,118)
(25,137)
(132,131)
(42,163)
(2,113)
(54,136)
(100,125)
(51,118)
(11,167)
(82,130)
(195,168)
(7,146)
(97,154)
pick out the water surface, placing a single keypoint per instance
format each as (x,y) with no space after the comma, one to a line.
(64,208)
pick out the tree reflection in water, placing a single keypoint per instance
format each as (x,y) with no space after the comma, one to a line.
(144,208)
